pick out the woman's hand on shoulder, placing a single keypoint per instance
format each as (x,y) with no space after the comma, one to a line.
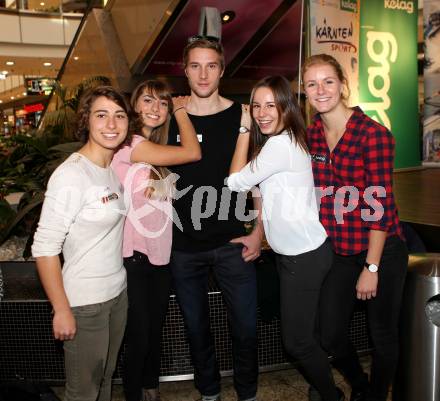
(180,102)
(245,116)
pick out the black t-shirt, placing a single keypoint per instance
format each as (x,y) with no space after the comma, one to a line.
(207,211)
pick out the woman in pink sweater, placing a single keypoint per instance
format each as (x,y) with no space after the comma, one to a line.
(148,188)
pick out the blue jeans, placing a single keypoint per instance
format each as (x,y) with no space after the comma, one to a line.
(237,281)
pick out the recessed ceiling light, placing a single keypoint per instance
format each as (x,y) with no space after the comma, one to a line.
(227,16)
(42,3)
(10,63)
(24,94)
(47,64)
(12,97)
(76,58)
(1,101)
(4,72)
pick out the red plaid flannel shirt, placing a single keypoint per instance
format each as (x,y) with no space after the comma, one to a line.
(355,182)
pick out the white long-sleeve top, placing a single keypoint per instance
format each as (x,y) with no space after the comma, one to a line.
(290,214)
(79,218)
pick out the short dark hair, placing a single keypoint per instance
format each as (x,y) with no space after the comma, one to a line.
(85,106)
(204,43)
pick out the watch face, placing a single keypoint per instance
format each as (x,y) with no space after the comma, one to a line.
(373,268)
(243,130)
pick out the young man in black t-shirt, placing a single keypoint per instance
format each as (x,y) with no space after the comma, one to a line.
(213,234)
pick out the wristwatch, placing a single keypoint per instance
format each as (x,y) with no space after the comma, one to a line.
(243,130)
(371,267)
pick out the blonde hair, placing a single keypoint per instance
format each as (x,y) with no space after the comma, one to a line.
(320,59)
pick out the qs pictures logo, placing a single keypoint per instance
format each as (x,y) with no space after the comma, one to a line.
(149,217)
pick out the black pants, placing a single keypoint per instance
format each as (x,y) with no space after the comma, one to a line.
(338,298)
(237,281)
(301,279)
(148,289)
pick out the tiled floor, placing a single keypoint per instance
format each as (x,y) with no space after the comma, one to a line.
(284,385)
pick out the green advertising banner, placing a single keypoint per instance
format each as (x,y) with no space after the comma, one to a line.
(388,72)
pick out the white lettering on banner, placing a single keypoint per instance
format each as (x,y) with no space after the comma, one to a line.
(349,5)
(407,6)
(389,51)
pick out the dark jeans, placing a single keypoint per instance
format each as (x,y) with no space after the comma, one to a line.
(301,278)
(338,298)
(148,295)
(237,281)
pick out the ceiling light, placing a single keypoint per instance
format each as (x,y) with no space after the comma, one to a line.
(227,16)
(47,64)
(76,58)
(42,3)
(4,72)
(1,101)
(12,97)
(18,95)
(10,63)
(24,94)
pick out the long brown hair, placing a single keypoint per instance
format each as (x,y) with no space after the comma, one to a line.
(288,111)
(159,134)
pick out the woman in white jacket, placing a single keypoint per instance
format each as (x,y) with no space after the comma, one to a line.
(279,162)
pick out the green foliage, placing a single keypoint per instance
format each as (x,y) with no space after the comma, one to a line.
(26,168)
(28,160)
(66,104)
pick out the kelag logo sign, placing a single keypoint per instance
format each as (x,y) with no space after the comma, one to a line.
(388,72)
(407,6)
(349,5)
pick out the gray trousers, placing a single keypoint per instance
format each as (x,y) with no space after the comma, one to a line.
(90,358)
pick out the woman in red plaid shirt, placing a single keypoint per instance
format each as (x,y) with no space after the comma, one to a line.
(352,159)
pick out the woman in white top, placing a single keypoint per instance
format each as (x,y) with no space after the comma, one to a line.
(274,155)
(83,217)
